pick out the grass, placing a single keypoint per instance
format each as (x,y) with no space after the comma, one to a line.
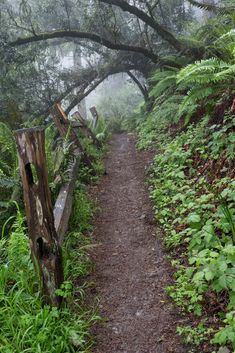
(25,324)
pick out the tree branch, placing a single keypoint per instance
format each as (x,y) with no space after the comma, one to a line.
(85,35)
(87,77)
(114,70)
(165,34)
(83,95)
(142,89)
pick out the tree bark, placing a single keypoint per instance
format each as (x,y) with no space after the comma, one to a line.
(45,248)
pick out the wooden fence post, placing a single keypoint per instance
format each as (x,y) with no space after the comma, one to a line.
(62,123)
(45,248)
(95,116)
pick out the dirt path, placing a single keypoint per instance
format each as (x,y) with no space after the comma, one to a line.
(130,272)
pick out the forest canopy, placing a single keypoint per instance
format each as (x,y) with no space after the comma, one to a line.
(108,36)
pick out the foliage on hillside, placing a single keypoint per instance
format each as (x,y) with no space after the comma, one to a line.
(193,190)
(192,181)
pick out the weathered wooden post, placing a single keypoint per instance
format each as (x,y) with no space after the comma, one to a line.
(95,116)
(62,123)
(45,248)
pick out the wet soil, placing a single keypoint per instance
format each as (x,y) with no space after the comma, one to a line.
(131,271)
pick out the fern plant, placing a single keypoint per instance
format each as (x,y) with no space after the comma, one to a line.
(196,88)
(227,9)
(9,179)
(206,79)
(8,159)
(164,80)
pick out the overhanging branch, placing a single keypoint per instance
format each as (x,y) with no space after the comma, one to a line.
(85,35)
(113,70)
(142,89)
(163,33)
(83,95)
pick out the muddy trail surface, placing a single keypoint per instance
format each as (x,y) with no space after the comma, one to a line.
(131,272)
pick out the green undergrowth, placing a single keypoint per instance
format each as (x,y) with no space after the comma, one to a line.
(194,201)
(189,121)
(25,324)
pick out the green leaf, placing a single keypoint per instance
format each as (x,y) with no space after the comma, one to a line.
(209,275)
(193,218)
(232,286)
(223,282)
(198,277)
(232,300)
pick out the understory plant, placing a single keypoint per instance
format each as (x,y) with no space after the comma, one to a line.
(192,184)
(194,202)
(26,325)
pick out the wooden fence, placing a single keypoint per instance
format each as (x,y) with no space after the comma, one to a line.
(47,226)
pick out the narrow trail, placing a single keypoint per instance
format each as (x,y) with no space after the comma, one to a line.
(131,272)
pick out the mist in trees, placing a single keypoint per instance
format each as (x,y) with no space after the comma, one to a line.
(103,38)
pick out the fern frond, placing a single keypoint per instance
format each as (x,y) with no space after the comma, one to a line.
(161,75)
(194,96)
(187,112)
(228,37)
(7,149)
(7,182)
(204,72)
(168,109)
(177,60)
(163,85)
(225,74)
(213,8)
(227,42)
